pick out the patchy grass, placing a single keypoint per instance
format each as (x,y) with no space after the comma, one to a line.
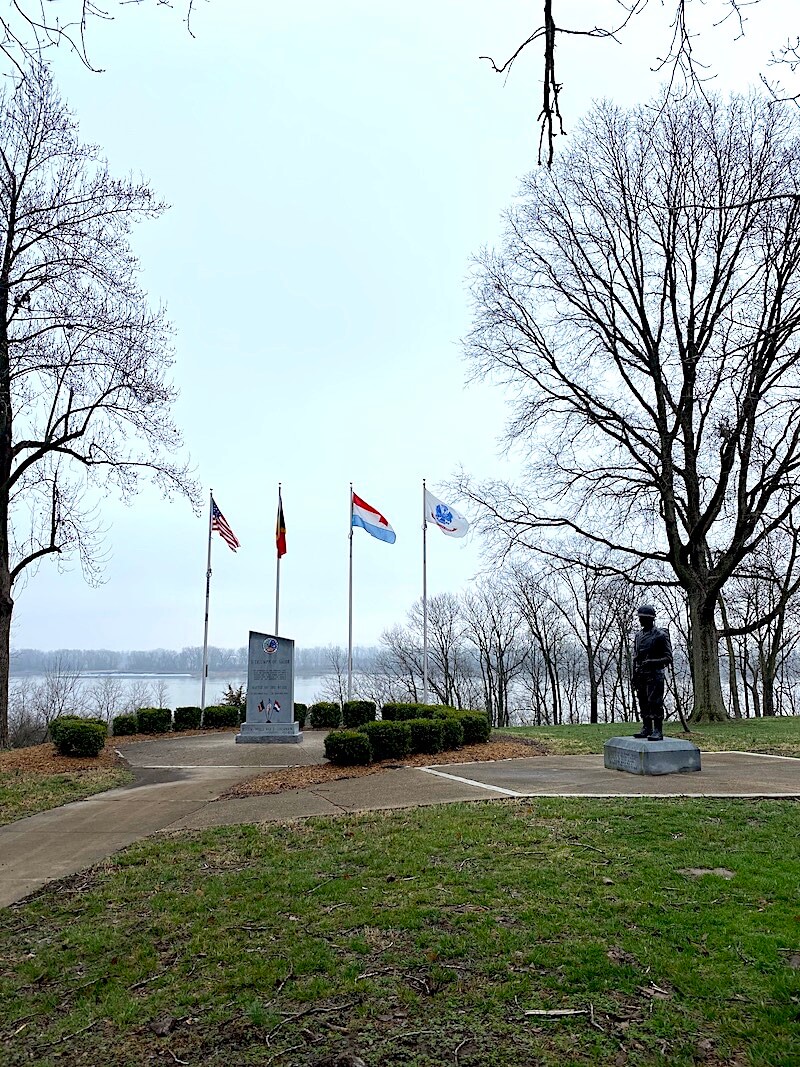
(670,930)
(775,737)
(26,793)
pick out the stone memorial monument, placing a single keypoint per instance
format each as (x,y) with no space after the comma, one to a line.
(270,692)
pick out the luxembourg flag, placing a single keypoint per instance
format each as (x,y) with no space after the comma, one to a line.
(369,519)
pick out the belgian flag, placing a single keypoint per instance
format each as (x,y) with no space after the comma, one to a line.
(280,529)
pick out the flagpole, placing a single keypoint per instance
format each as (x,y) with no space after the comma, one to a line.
(277,568)
(208,594)
(424,598)
(350,609)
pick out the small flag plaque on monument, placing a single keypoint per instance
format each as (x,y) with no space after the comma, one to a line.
(270,692)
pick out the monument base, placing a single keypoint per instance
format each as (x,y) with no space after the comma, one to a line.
(269,733)
(640,756)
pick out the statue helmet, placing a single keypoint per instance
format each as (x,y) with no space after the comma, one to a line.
(646,611)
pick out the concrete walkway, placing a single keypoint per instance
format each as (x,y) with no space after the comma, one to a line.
(178,781)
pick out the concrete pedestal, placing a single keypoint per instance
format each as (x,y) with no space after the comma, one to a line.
(269,733)
(640,756)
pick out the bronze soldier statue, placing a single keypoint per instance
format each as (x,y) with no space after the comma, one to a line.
(652,652)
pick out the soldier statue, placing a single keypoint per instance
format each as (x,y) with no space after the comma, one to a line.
(652,653)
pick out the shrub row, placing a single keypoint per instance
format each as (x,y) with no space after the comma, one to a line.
(161,720)
(446,728)
(327,715)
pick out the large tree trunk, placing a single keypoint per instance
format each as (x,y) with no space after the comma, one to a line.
(6,608)
(704,657)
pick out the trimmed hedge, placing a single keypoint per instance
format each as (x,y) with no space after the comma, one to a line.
(219,715)
(325,715)
(124,725)
(348,747)
(357,712)
(404,712)
(154,720)
(188,718)
(476,726)
(427,735)
(452,732)
(389,740)
(75,736)
(300,712)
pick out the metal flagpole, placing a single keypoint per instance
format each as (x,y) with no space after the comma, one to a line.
(350,609)
(424,598)
(278,565)
(208,594)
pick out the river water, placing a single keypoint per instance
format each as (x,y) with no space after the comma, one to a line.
(183,690)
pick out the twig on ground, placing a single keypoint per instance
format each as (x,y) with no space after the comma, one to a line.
(596,1025)
(293,1016)
(286,1051)
(459,1047)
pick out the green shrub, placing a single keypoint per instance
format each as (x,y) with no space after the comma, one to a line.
(404,712)
(452,732)
(154,720)
(188,718)
(476,726)
(300,712)
(325,715)
(75,736)
(348,747)
(356,712)
(427,735)
(124,725)
(219,715)
(389,740)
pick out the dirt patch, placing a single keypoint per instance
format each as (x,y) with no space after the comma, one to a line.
(303,777)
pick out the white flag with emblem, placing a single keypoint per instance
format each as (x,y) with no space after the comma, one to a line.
(449,521)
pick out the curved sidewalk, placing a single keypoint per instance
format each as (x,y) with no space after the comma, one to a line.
(179,780)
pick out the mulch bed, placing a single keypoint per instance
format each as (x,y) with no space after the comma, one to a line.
(317,774)
(43,759)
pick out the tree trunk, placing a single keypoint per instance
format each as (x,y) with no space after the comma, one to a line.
(704,656)
(6,609)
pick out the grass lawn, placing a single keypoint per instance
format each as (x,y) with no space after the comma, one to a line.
(23,793)
(668,931)
(776,737)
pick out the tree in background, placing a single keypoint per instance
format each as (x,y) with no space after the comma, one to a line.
(84,397)
(646,313)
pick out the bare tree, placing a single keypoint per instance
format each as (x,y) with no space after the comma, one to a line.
(493,626)
(103,697)
(29,27)
(677,54)
(139,695)
(334,687)
(84,398)
(766,588)
(646,312)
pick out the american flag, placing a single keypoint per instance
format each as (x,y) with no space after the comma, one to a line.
(220,524)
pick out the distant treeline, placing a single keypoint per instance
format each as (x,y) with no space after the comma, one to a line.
(317,660)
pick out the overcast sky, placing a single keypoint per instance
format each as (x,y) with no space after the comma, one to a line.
(331,168)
